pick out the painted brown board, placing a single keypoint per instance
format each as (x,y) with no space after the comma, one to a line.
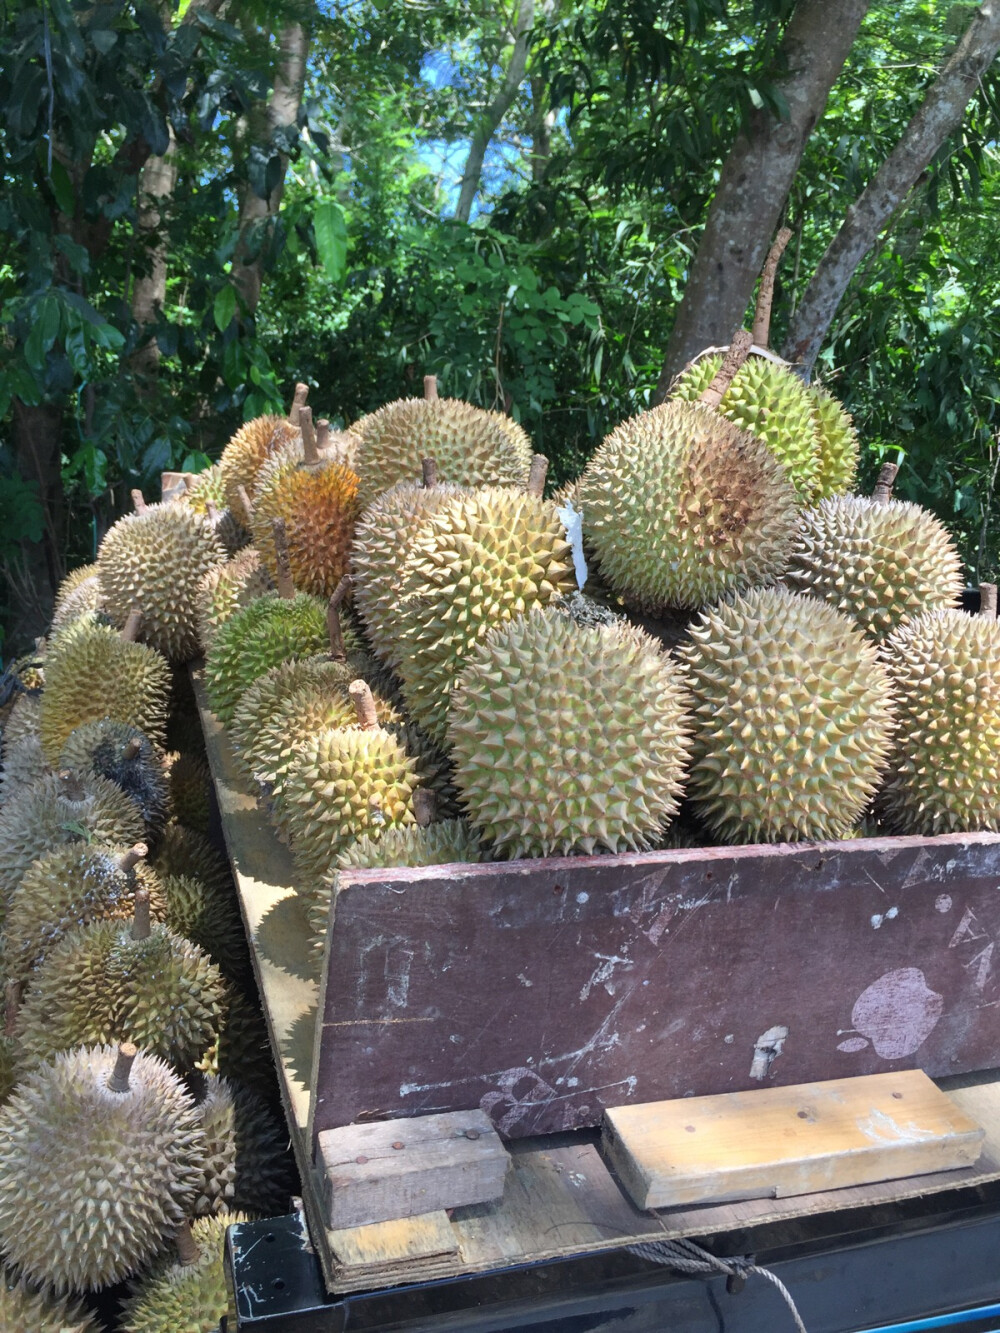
(778,1142)
(562,987)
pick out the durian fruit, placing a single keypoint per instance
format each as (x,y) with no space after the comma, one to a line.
(243,457)
(944,775)
(479,559)
(190,785)
(23,720)
(568,738)
(244,1047)
(100,1154)
(317,500)
(259,636)
(451,840)
(125,756)
(23,762)
(155,559)
(70,887)
(186,1294)
(344,782)
(184,852)
(793,718)
(879,561)
(378,556)
(205,493)
(93,672)
(209,919)
(838,443)
(246,1158)
(27,1309)
(57,809)
(681,506)
(10,1049)
(78,594)
(469,445)
(115,980)
(226,588)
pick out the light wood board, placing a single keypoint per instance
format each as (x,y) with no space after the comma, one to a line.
(560,1199)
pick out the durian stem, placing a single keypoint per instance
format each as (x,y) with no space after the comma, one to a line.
(132,750)
(988,600)
(309,450)
(211,510)
(298,402)
(430,387)
(364,704)
(133,625)
(187,1247)
(424,806)
(11,1004)
(127,861)
(286,588)
(429,471)
(334,629)
(139,502)
(118,1079)
(188,479)
(246,502)
(536,477)
(882,493)
(322,434)
(765,295)
(141,925)
(72,786)
(736,354)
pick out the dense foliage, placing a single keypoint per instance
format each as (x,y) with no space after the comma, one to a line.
(555,300)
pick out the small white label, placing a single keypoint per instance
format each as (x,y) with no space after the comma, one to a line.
(572,521)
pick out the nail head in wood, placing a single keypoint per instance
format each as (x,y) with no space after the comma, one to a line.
(118,1080)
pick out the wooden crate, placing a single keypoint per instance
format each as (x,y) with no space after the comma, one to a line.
(545,991)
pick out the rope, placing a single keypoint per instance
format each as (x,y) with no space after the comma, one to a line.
(687,1257)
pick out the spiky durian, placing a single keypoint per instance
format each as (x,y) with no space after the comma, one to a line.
(378,556)
(451,840)
(79,592)
(879,562)
(469,445)
(259,636)
(154,559)
(209,919)
(23,762)
(838,443)
(190,784)
(92,672)
(10,1054)
(793,718)
(568,738)
(26,1309)
(109,982)
(682,506)
(319,505)
(246,1157)
(125,756)
(205,493)
(91,1178)
(244,1046)
(478,559)
(187,1295)
(69,888)
(23,720)
(185,852)
(58,809)
(944,775)
(226,588)
(244,455)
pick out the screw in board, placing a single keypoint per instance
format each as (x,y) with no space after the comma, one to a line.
(472,1133)
(397,1145)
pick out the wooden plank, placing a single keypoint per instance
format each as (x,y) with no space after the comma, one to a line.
(562,987)
(400,1168)
(777,1142)
(421,1248)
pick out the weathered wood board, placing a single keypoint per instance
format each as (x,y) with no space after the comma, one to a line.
(778,1142)
(561,987)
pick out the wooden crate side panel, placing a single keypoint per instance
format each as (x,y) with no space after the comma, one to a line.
(544,991)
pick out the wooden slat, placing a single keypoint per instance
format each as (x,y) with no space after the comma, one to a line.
(778,1142)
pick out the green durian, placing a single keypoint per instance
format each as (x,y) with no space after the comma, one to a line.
(209,919)
(245,455)
(26,1309)
(125,756)
(182,1296)
(838,443)
(205,493)
(246,1153)
(183,851)
(244,1046)
(189,781)
(79,594)
(225,588)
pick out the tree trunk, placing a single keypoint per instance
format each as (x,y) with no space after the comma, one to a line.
(37,438)
(489,122)
(541,126)
(755,181)
(939,115)
(149,291)
(257,214)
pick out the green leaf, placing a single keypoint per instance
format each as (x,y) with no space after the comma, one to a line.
(62,188)
(331,238)
(225,307)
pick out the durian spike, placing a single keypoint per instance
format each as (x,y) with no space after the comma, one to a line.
(765,295)
(286,588)
(132,749)
(245,501)
(139,502)
(364,704)
(430,387)
(212,510)
(118,1078)
(72,786)
(133,625)
(988,600)
(129,860)
(334,629)
(310,453)
(187,1247)
(298,402)
(429,469)
(882,493)
(736,354)
(141,924)
(322,434)
(536,477)
(376,811)
(424,807)
(11,1004)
